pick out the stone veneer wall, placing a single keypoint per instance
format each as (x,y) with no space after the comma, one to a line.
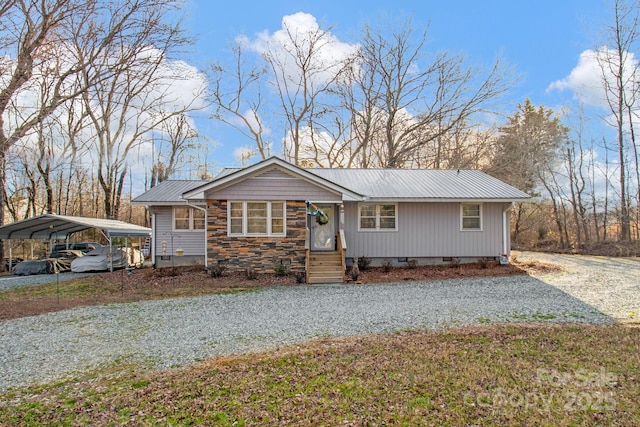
(260,253)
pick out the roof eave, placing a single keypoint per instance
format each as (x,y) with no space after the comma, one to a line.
(445,200)
(168,203)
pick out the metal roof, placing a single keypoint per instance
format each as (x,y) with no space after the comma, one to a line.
(167,192)
(50,226)
(422,184)
(374,184)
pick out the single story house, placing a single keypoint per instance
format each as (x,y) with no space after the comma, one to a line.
(317,221)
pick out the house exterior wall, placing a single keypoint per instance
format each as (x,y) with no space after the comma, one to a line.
(262,254)
(427,230)
(191,242)
(274,185)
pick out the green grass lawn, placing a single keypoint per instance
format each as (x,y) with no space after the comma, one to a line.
(565,375)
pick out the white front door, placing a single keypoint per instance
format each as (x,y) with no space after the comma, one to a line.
(323,236)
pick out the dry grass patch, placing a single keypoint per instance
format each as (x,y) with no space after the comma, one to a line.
(536,267)
(500,375)
(121,287)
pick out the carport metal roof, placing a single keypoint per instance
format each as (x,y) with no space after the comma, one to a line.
(51,226)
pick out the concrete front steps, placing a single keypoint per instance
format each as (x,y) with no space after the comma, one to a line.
(325,267)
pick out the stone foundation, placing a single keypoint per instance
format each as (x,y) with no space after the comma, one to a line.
(262,254)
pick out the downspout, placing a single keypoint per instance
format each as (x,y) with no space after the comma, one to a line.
(506,234)
(206,257)
(343,240)
(153,239)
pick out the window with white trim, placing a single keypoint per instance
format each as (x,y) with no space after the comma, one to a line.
(256,218)
(377,217)
(188,219)
(471,217)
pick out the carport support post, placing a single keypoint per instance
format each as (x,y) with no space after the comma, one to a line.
(55,262)
(110,255)
(57,273)
(10,257)
(122,282)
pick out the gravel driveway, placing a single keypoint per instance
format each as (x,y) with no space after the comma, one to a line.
(180,331)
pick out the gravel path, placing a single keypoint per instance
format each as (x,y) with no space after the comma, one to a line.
(180,331)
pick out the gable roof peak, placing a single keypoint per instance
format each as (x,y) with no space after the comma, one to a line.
(265,165)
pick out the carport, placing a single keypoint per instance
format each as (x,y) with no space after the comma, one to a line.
(61,227)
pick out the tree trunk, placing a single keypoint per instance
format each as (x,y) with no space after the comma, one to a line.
(3,186)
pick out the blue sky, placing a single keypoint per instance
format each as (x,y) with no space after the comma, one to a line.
(542,39)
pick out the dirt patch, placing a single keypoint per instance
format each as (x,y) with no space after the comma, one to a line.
(153,284)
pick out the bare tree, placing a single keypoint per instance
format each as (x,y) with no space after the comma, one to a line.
(176,137)
(30,31)
(64,43)
(620,80)
(421,98)
(463,147)
(138,97)
(237,96)
(577,159)
(303,76)
(574,164)
(22,187)
(56,143)
(375,103)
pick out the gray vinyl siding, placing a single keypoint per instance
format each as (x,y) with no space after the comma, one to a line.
(427,230)
(275,185)
(192,242)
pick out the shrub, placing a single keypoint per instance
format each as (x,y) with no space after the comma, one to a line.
(216,270)
(301,278)
(281,270)
(386,265)
(363,262)
(455,262)
(167,272)
(355,270)
(412,264)
(251,273)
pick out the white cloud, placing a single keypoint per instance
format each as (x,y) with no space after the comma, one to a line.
(243,154)
(302,32)
(586,80)
(184,85)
